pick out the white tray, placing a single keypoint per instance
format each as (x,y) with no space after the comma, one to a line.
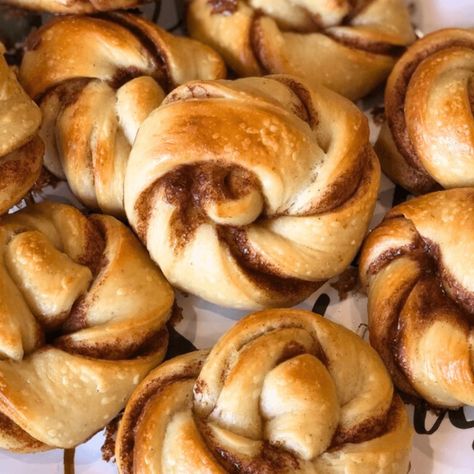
(444,443)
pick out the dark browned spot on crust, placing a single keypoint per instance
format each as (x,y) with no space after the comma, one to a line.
(347,282)
(176,315)
(11,429)
(256,39)
(223,7)
(124,75)
(131,422)
(292,349)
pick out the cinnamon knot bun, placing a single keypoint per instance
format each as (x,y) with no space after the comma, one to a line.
(250,193)
(283,391)
(427,142)
(96,79)
(349,46)
(83,314)
(21,150)
(74,6)
(417,268)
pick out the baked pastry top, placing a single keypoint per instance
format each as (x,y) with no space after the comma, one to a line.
(284,391)
(96,79)
(251,193)
(427,142)
(349,46)
(21,150)
(417,268)
(83,313)
(74,6)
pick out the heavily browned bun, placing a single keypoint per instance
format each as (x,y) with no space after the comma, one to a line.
(427,142)
(348,46)
(251,193)
(21,150)
(82,320)
(283,391)
(417,268)
(96,79)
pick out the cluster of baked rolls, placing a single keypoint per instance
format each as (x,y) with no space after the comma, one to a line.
(249,193)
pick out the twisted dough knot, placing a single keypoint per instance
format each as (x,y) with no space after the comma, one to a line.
(96,79)
(283,391)
(428,139)
(21,150)
(74,6)
(349,46)
(82,320)
(416,265)
(250,193)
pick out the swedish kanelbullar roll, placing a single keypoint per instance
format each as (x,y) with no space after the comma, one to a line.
(74,6)
(251,193)
(349,46)
(283,391)
(96,79)
(416,266)
(427,142)
(83,313)
(21,149)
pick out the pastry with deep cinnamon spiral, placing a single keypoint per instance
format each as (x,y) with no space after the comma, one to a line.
(96,79)
(349,46)
(250,193)
(427,142)
(21,150)
(74,6)
(83,313)
(417,267)
(283,391)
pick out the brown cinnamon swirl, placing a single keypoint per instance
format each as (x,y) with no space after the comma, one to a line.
(349,46)
(284,391)
(83,314)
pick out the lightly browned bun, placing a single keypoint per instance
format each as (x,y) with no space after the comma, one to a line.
(251,193)
(96,78)
(284,391)
(21,150)
(348,46)
(416,266)
(427,142)
(83,313)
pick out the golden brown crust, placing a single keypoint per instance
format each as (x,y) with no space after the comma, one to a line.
(284,391)
(251,193)
(416,268)
(96,79)
(347,46)
(76,7)
(21,150)
(83,319)
(428,141)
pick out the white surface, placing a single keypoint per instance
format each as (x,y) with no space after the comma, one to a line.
(449,450)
